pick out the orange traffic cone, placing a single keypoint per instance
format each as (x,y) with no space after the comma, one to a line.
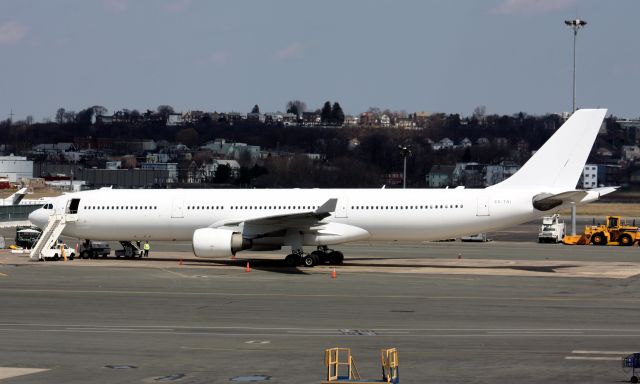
(334,274)
(247,268)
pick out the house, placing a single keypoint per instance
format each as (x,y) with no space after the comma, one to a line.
(229,150)
(496,173)
(630,152)
(405,123)
(351,121)
(465,143)
(311,119)
(385,121)
(369,119)
(483,142)
(421,119)
(440,176)
(175,119)
(445,143)
(290,119)
(470,175)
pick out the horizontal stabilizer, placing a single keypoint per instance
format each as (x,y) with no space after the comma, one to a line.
(547,201)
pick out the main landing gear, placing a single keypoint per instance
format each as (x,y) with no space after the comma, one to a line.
(323,255)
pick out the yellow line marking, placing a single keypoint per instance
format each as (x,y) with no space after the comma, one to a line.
(3,274)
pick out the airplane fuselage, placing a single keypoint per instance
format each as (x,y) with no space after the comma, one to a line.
(386,214)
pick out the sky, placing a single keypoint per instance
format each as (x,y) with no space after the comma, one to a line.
(228,55)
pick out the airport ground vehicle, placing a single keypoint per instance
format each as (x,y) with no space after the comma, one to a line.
(91,249)
(478,238)
(27,235)
(614,232)
(129,250)
(552,229)
(56,252)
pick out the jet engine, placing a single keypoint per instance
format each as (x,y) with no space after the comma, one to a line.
(214,242)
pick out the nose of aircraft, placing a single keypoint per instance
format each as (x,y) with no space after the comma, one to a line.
(39,218)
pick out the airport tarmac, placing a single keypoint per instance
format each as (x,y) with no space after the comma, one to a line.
(504,312)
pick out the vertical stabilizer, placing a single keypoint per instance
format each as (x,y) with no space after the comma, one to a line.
(559,163)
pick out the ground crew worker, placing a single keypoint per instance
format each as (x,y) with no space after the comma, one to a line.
(146,248)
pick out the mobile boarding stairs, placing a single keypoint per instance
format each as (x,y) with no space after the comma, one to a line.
(54,228)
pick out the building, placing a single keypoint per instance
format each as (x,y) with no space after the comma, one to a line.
(15,168)
(440,176)
(497,173)
(631,152)
(470,175)
(590,176)
(175,119)
(170,168)
(126,178)
(445,143)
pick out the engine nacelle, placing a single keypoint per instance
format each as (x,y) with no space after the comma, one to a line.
(214,242)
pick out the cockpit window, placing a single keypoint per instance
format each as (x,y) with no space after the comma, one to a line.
(48,206)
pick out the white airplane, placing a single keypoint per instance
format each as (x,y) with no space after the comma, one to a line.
(220,223)
(15,198)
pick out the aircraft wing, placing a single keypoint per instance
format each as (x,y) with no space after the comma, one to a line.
(253,227)
(547,201)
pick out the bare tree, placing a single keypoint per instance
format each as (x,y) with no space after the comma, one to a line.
(296,107)
(479,112)
(60,115)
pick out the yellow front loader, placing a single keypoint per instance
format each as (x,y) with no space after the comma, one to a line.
(614,232)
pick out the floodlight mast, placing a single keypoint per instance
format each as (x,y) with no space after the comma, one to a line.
(575,25)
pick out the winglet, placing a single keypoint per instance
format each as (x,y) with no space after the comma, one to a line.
(328,207)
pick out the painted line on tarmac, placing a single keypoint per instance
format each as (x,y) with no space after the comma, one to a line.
(603,352)
(594,358)
(534,332)
(307,295)
(8,372)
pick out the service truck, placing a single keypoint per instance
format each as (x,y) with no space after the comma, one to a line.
(552,229)
(90,249)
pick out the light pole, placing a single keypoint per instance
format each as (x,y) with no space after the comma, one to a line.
(405,151)
(575,25)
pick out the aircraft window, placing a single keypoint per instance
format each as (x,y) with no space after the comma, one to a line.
(441,206)
(460,205)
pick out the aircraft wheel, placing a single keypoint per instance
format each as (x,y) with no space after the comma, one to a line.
(336,257)
(634,379)
(292,260)
(310,261)
(323,257)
